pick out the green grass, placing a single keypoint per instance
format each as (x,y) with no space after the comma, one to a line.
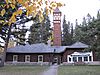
(22,70)
(79,70)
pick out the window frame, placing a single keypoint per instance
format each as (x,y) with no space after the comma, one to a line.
(15,58)
(26,59)
(39,57)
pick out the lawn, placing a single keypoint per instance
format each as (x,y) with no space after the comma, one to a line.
(22,70)
(79,70)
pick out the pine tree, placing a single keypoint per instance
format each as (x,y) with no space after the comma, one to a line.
(19,33)
(40,32)
(84,23)
(98,15)
(77,31)
(72,33)
(89,18)
(66,40)
(34,36)
(45,28)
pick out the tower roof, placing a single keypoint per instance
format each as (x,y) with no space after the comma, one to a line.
(56,10)
(78,45)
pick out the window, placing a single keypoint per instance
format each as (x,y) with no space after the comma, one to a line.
(40,58)
(80,59)
(85,58)
(69,59)
(74,59)
(15,58)
(89,58)
(27,58)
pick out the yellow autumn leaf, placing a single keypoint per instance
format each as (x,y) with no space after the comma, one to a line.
(7,1)
(12,19)
(47,11)
(7,6)
(12,5)
(34,14)
(46,2)
(27,13)
(25,4)
(29,0)
(53,5)
(1,21)
(9,23)
(41,18)
(15,14)
(3,12)
(20,1)
(31,8)
(4,23)
(34,7)
(19,12)
(39,3)
(14,1)
(59,4)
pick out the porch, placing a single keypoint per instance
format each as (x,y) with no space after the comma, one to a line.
(85,57)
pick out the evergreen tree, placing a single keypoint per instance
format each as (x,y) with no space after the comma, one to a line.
(89,18)
(77,32)
(34,36)
(84,22)
(90,34)
(45,28)
(40,32)
(19,33)
(72,33)
(98,15)
(66,40)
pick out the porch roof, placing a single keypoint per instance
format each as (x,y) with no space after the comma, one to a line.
(78,45)
(81,53)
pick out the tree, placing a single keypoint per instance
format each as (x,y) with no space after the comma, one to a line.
(40,32)
(45,28)
(77,32)
(90,34)
(72,33)
(34,36)
(66,40)
(19,33)
(98,15)
(89,18)
(84,23)
(11,9)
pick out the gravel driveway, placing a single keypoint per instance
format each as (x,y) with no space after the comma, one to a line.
(51,71)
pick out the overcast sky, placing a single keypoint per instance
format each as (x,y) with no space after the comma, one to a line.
(77,9)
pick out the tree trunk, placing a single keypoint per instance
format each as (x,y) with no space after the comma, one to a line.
(5,47)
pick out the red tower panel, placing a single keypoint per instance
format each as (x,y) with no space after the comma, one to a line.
(57,27)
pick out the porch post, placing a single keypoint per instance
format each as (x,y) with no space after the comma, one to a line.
(68,58)
(77,59)
(91,56)
(71,59)
(82,58)
(88,59)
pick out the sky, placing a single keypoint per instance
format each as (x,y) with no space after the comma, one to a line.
(77,9)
